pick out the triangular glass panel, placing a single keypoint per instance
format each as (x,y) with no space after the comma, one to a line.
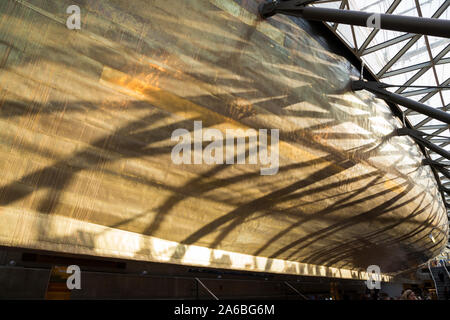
(378,59)
(418,53)
(345,31)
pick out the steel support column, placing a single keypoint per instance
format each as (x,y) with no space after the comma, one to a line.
(298,8)
(439,167)
(417,136)
(377,88)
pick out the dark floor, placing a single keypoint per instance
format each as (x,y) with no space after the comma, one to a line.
(28,275)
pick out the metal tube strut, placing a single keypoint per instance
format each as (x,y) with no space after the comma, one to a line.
(417,136)
(445,172)
(378,89)
(298,8)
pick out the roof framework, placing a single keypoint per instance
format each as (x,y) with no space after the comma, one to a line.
(405,59)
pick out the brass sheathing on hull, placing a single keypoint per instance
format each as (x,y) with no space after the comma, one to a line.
(86,121)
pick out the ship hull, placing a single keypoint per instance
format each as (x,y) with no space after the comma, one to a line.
(87,118)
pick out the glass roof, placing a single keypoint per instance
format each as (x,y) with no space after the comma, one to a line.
(405,59)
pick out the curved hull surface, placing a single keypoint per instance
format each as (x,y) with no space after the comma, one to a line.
(85,150)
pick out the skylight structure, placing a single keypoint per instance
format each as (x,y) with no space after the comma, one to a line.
(405,59)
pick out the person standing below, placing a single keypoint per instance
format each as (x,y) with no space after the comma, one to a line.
(408,295)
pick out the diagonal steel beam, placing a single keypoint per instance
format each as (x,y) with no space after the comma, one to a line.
(417,136)
(298,8)
(410,43)
(438,57)
(388,43)
(378,89)
(433,127)
(374,32)
(415,67)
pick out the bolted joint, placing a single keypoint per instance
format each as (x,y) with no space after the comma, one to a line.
(435,164)
(358,85)
(372,86)
(268,8)
(403,131)
(272,7)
